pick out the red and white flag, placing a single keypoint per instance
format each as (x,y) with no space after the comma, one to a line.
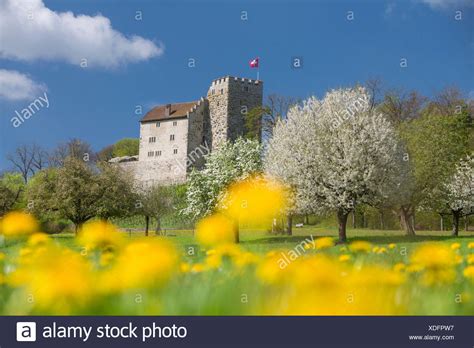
(254,63)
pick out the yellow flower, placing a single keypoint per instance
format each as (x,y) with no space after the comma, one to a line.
(344,258)
(392,246)
(106,258)
(255,201)
(38,239)
(100,235)
(197,268)
(470,259)
(360,246)
(17,224)
(469,272)
(433,256)
(399,267)
(324,243)
(382,250)
(436,263)
(455,246)
(470,245)
(273,268)
(184,267)
(214,230)
(142,263)
(58,279)
(2,256)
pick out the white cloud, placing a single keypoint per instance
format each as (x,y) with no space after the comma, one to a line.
(437,4)
(17,86)
(30,31)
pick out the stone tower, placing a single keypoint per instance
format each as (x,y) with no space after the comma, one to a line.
(230,98)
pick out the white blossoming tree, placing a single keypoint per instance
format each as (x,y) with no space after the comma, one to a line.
(334,153)
(231,162)
(460,191)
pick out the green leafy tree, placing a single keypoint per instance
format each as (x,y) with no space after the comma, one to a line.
(434,145)
(11,192)
(126,147)
(77,192)
(155,202)
(117,198)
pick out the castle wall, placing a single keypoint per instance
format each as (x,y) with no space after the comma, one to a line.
(164,158)
(230,98)
(198,142)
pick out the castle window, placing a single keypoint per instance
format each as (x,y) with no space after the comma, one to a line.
(175,151)
(246,88)
(222,90)
(175,123)
(157,124)
(152,139)
(171,137)
(157,153)
(150,153)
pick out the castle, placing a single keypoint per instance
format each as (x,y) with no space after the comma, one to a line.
(174,138)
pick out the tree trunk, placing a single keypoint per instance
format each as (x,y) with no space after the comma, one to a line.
(353,219)
(306,219)
(406,221)
(158,227)
(441,223)
(289,225)
(382,220)
(236,231)
(342,220)
(456,216)
(147,225)
(466,223)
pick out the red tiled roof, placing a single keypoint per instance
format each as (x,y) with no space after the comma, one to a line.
(178,110)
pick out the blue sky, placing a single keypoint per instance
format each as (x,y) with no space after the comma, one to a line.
(97,103)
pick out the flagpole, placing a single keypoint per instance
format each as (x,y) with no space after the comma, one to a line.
(258,74)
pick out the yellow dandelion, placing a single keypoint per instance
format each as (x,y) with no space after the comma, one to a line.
(470,259)
(214,230)
(436,262)
(433,256)
(344,257)
(392,246)
(106,258)
(58,279)
(324,243)
(255,201)
(142,263)
(382,250)
(197,268)
(360,246)
(469,272)
(17,223)
(399,267)
(455,246)
(184,267)
(38,239)
(100,235)
(470,245)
